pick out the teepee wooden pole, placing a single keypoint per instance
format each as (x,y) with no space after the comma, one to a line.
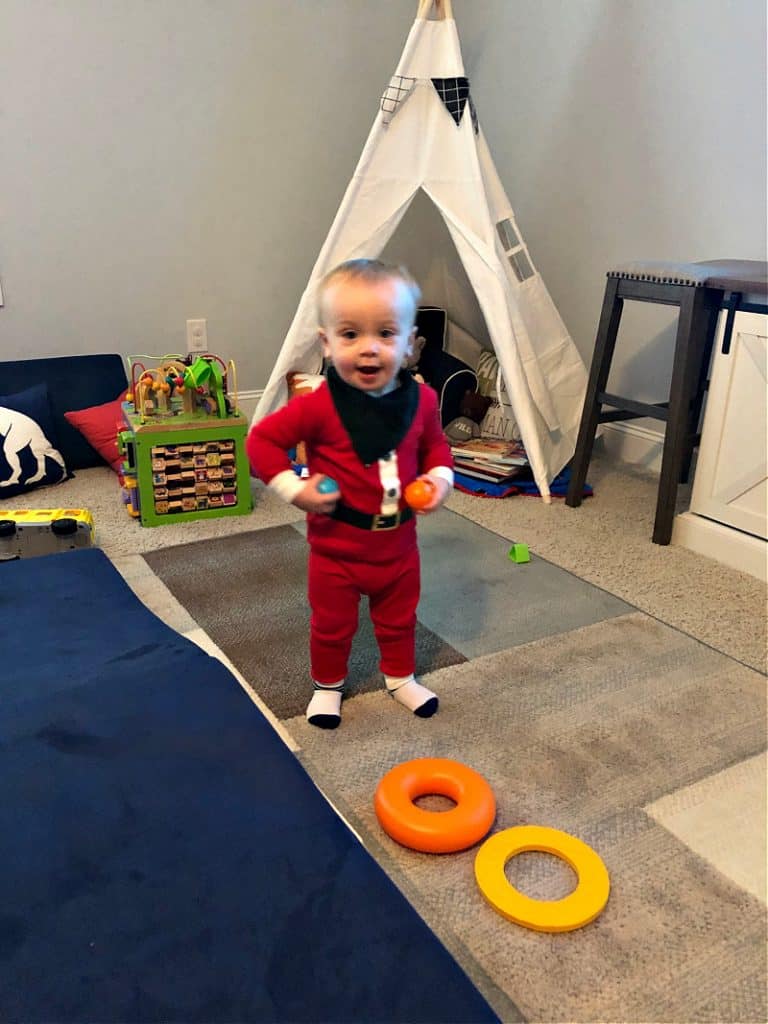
(443,8)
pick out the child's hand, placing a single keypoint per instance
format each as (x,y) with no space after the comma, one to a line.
(440,496)
(309,499)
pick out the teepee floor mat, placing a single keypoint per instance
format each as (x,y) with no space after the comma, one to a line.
(523,484)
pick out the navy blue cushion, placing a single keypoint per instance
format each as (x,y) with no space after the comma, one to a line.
(29,455)
(449,376)
(74,382)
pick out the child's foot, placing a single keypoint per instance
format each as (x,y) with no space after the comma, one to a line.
(324,710)
(412,695)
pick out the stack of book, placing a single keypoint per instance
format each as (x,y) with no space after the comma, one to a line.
(485,458)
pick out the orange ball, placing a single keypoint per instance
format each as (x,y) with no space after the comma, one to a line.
(420,492)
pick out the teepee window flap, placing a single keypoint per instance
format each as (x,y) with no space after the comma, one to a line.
(514,250)
(521,265)
(507,235)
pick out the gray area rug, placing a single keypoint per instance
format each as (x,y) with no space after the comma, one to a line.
(249,594)
(474,600)
(578,732)
(478,600)
(481,602)
(578,709)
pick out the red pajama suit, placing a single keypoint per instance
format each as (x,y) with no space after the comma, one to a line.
(346,561)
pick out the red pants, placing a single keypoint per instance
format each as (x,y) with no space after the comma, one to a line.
(335,587)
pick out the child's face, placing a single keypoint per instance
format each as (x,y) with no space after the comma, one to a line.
(368,331)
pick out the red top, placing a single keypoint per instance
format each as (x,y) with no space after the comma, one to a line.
(313,419)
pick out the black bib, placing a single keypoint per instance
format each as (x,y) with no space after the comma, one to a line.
(376,425)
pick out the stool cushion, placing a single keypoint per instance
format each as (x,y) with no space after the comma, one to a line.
(749,276)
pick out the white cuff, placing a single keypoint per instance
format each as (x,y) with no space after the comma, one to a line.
(286,484)
(442,473)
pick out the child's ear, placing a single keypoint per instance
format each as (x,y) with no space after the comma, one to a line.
(323,337)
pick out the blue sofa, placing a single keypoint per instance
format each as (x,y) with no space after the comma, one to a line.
(74,382)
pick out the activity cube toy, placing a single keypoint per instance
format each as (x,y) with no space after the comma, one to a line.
(183,444)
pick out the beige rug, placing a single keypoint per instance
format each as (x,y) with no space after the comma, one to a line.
(579,732)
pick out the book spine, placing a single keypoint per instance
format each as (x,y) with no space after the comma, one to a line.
(480,457)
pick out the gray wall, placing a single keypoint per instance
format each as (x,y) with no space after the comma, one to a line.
(171,159)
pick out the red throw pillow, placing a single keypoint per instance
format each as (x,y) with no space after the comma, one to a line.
(99,426)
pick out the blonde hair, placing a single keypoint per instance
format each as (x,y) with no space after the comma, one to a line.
(372,272)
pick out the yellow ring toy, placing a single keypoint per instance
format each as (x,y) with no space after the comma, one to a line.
(429,831)
(573,911)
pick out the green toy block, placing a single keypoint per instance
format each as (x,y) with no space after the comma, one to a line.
(519,553)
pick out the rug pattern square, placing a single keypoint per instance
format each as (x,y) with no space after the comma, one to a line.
(259,617)
(574,733)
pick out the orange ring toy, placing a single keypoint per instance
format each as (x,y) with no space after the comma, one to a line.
(429,831)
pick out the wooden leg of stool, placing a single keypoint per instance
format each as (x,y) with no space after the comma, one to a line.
(694,422)
(610,317)
(692,324)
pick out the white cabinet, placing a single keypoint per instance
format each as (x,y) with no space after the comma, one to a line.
(728,517)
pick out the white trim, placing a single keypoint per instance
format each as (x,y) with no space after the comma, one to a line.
(286,485)
(389,478)
(199,637)
(738,550)
(632,443)
(247,401)
(448,380)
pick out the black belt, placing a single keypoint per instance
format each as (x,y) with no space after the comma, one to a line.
(365,521)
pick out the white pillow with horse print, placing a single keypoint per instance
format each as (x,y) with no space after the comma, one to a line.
(28,456)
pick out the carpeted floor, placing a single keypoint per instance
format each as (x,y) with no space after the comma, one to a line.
(582,713)
(606,542)
(579,731)
(629,729)
(263,624)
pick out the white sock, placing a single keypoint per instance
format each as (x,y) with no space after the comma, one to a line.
(412,695)
(324,710)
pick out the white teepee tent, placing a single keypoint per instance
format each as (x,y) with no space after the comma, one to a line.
(426,136)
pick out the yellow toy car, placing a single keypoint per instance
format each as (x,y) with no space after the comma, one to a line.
(26,533)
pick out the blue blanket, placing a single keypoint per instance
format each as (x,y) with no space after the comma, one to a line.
(163,856)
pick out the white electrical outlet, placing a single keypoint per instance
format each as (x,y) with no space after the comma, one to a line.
(197,335)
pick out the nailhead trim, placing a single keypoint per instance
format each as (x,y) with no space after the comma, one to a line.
(655,278)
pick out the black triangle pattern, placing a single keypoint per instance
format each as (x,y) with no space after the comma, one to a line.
(454,92)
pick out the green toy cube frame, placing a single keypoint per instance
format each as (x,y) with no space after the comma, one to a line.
(143,437)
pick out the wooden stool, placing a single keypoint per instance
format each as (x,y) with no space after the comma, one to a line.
(700,290)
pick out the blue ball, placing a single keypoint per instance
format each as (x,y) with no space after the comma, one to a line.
(327,485)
